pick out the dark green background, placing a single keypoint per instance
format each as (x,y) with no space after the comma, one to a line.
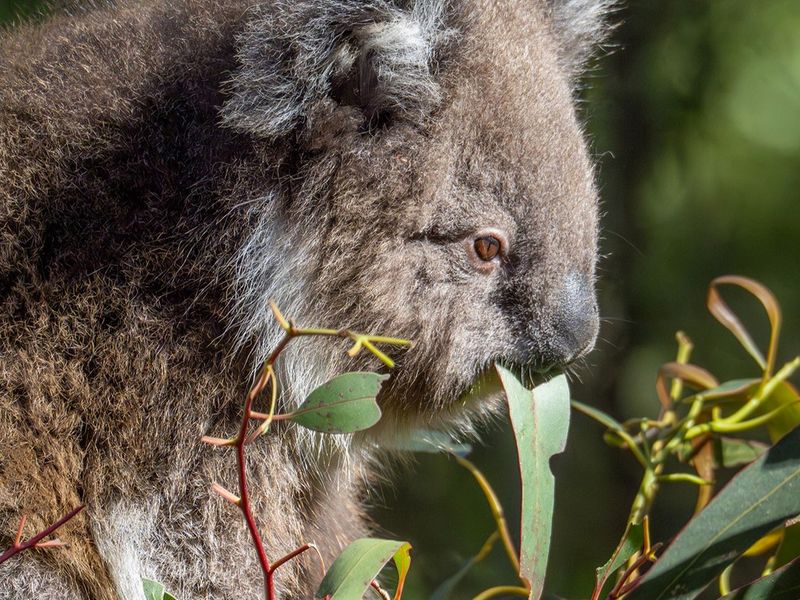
(694,118)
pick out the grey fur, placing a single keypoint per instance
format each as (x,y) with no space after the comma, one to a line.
(581,26)
(289,63)
(166,168)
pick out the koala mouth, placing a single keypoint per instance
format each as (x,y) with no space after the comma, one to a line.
(484,388)
(486,383)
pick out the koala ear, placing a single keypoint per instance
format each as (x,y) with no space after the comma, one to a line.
(582,25)
(369,54)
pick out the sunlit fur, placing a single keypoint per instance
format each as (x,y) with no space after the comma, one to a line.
(168,167)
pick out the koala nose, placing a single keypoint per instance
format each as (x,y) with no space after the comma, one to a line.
(577,322)
(565,330)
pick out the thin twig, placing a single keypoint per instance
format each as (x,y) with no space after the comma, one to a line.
(290,556)
(244,498)
(496,508)
(34,542)
(245,435)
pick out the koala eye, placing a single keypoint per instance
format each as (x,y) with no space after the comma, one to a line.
(484,248)
(487,247)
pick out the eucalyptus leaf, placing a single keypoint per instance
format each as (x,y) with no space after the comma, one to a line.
(630,543)
(155,591)
(430,441)
(734,387)
(789,549)
(344,404)
(723,313)
(729,391)
(540,419)
(760,498)
(781,584)
(357,566)
(733,452)
(786,395)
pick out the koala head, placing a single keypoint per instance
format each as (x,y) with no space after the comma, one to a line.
(434,184)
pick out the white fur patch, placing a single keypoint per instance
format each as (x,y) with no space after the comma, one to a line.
(582,26)
(274,265)
(120,535)
(31,579)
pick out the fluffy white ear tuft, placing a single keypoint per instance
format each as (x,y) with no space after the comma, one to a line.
(581,25)
(292,53)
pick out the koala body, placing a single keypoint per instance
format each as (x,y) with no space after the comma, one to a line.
(407,167)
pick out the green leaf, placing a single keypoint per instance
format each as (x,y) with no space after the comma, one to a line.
(733,452)
(343,405)
(760,498)
(784,395)
(402,562)
(630,543)
(735,389)
(790,545)
(781,584)
(155,591)
(428,440)
(352,572)
(540,419)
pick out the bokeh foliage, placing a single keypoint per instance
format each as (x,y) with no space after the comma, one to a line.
(695,122)
(12,11)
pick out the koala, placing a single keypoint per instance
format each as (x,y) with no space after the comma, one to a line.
(412,168)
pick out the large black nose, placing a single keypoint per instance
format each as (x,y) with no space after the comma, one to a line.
(575,321)
(564,327)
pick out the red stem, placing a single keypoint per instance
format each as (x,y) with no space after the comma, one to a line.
(621,588)
(31,543)
(288,557)
(265,376)
(241,442)
(244,500)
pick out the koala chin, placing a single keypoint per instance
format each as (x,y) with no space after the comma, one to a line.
(413,168)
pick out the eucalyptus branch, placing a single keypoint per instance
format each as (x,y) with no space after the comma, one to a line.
(245,435)
(36,540)
(503,590)
(496,508)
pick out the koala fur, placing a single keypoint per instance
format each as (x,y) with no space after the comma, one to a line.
(168,167)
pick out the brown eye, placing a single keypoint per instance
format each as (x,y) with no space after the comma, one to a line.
(487,247)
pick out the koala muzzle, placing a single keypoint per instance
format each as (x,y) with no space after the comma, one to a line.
(575,322)
(564,329)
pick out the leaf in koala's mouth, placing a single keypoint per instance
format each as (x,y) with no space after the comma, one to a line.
(540,419)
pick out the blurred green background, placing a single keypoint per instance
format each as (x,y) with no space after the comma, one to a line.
(694,117)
